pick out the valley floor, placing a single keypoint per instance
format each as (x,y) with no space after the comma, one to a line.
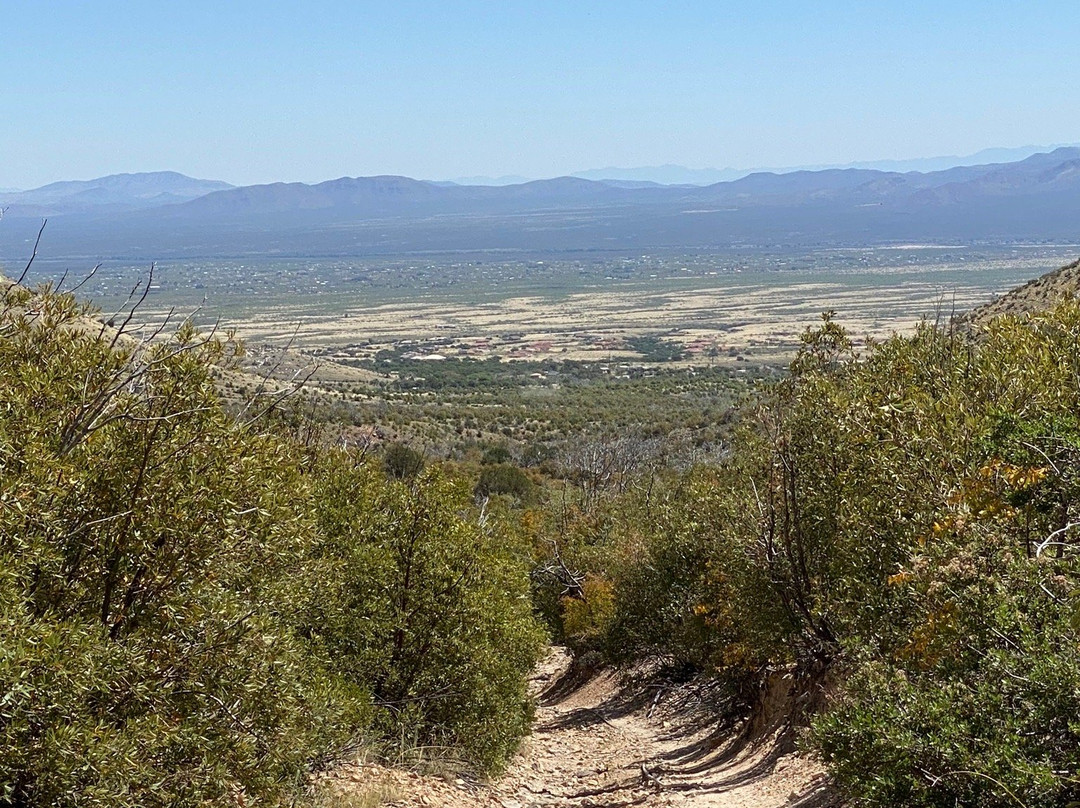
(593,744)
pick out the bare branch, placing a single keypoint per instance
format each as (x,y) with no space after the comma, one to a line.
(33,255)
(135,308)
(131,296)
(1049,541)
(1053,465)
(91,274)
(261,389)
(281,395)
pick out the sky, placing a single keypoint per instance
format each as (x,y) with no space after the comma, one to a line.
(306,91)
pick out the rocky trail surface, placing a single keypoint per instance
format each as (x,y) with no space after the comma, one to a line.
(602,744)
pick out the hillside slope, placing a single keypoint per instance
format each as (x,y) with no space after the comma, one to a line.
(1034,296)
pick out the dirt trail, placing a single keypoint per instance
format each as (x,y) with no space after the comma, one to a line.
(595,745)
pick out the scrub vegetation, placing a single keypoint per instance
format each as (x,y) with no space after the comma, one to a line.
(207,599)
(897,532)
(197,607)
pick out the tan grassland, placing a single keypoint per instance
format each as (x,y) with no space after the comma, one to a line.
(761,322)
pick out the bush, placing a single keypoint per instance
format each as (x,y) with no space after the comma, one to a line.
(402,462)
(144,538)
(427,607)
(495,455)
(980,706)
(507,479)
(586,618)
(906,521)
(682,588)
(973,701)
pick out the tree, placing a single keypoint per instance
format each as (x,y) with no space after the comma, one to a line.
(144,539)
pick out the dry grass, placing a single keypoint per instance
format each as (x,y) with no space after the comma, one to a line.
(1036,295)
(763,320)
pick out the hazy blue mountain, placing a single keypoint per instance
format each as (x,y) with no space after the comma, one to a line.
(1035,198)
(681,175)
(115,192)
(666,174)
(366,193)
(506,179)
(636,184)
(351,198)
(983,157)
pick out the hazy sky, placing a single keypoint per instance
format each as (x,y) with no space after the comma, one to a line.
(256,92)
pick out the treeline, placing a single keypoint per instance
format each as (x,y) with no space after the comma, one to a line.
(896,533)
(198,607)
(426,407)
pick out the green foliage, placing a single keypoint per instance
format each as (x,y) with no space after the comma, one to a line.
(494,455)
(975,701)
(507,479)
(905,521)
(654,349)
(586,618)
(402,462)
(979,707)
(539,418)
(195,610)
(143,538)
(675,576)
(424,602)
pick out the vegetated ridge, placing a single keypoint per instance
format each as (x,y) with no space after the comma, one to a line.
(1034,296)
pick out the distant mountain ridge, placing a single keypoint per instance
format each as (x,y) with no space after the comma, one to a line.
(670,174)
(394,196)
(116,191)
(1031,199)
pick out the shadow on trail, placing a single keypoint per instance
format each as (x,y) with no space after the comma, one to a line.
(758,771)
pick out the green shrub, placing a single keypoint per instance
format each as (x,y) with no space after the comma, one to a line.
(973,699)
(495,455)
(907,521)
(402,462)
(507,479)
(980,705)
(427,607)
(586,617)
(682,588)
(144,539)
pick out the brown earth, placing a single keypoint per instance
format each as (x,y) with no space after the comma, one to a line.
(1036,295)
(601,741)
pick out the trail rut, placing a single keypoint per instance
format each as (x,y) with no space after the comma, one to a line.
(593,746)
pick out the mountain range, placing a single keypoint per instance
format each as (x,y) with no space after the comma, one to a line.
(117,192)
(165,215)
(670,174)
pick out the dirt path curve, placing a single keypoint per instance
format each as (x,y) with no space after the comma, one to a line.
(593,747)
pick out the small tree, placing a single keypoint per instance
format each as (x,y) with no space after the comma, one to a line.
(402,462)
(425,604)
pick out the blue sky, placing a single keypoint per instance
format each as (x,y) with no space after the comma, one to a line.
(256,92)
